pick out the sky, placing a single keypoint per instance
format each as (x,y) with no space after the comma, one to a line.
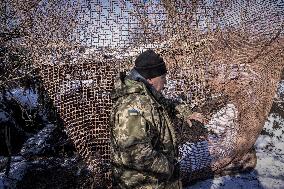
(105,23)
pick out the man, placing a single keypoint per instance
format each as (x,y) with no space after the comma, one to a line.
(144,142)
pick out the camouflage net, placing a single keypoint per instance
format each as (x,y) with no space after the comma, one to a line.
(217,52)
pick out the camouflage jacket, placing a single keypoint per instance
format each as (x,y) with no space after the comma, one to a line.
(144,147)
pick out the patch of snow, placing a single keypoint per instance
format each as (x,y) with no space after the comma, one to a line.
(73,85)
(36,144)
(279,96)
(69,161)
(263,141)
(280,89)
(270,169)
(26,97)
(4,116)
(244,181)
(17,171)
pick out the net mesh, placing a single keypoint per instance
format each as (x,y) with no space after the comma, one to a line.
(217,53)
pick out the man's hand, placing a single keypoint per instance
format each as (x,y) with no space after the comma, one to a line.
(196,116)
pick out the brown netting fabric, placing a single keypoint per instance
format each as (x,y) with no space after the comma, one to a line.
(81,92)
(221,55)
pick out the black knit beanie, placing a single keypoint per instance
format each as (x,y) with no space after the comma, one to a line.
(150,65)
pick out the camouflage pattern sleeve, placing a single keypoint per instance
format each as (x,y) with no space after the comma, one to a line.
(140,162)
(183,110)
(180,110)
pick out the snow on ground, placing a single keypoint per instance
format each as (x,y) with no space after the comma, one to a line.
(270,151)
(17,171)
(26,97)
(19,165)
(280,93)
(269,171)
(4,116)
(36,144)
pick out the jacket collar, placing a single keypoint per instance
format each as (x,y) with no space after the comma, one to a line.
(134,83)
